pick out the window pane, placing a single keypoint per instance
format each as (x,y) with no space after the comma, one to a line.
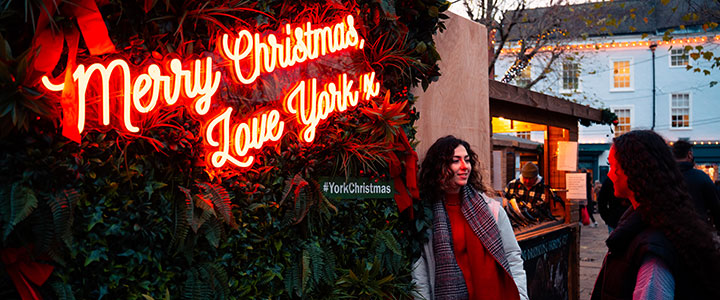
(623,125)
(621,74)
(680,111)
(570,76)
(678,57)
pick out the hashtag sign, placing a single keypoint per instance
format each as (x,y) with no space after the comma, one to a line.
(325,187)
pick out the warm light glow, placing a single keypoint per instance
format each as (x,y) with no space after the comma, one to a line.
(252,54)
(311,106)
(251,134)
(141,85)
(619,44)
(51,86)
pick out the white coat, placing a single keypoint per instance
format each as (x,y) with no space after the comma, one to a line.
(424,268)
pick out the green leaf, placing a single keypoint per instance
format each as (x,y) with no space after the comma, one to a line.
(151,186)
(22,202)
(95,255)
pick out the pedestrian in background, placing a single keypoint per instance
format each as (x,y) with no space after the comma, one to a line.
(590,205)
(700,186)
(660,249)
(471,252)
(611,208)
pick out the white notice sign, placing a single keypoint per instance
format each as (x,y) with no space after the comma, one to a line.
(567,156)
(576,186)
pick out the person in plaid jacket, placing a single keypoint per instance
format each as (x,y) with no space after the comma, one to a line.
(529,188)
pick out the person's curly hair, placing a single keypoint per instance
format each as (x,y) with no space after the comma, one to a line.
(435,169)
(664,203)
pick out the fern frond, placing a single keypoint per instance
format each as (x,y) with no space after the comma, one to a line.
(389,240)
(62,290)
(61,206)
(317,262)
(22,202)
(213,232)
(189,207)
(199,221)
(220,199)
(45,236)
(293,281)
(182,226)
(217,279)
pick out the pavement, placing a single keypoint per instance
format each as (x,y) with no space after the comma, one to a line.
(592,253)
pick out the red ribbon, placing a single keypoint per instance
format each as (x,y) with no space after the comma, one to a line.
(48,46)
(407,189)
(24,270)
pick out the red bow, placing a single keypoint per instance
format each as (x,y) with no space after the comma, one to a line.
(48,46)
(23,269)
(407,190)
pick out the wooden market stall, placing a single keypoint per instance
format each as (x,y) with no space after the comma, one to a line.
(550,250)
(465,103)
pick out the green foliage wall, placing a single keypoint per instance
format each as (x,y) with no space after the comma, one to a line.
(128,217)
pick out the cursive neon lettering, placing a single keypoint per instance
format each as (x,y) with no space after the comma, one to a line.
(253,55)
(311,106)
(149,82)
(254,133)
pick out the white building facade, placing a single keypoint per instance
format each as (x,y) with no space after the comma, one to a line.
(645,81)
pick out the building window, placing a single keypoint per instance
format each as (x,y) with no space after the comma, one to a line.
(679,111)
(622,75)
(523,134)
(570,76)
(623,125)
(524,77)
(678,58)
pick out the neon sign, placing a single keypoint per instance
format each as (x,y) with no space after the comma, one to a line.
(230,141)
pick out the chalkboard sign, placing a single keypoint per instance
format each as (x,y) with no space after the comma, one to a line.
(546,264)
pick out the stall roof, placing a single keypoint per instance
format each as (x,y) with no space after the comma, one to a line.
(513,141)
(512,102)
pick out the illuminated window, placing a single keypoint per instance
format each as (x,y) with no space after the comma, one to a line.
(524,77)
(679,111)
(624,120)
(678,58)
(570,76)
(622,74)
(523,134)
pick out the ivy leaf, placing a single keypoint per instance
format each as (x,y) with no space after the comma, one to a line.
(94,256)
(152,186)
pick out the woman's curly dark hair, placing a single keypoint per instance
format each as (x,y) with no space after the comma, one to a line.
(435,169)
(664,203)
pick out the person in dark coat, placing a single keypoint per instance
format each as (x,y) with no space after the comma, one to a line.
(661,248)
(700,186)
(611,208)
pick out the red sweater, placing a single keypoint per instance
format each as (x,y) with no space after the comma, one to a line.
(484,276)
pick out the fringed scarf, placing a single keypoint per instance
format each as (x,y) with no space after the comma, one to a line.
(449,280)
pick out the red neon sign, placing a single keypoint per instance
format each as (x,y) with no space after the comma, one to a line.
(299,44)
(231,142)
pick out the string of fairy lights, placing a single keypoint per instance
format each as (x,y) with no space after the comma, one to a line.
(524,60)
(521,63)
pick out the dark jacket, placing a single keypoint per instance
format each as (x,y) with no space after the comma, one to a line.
(703,193)
(628,245)
(610,207)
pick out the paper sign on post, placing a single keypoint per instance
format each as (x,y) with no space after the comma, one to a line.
(576,186)
(567,156)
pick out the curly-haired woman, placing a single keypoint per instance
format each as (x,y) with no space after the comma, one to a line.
(471,252)
(661,248)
